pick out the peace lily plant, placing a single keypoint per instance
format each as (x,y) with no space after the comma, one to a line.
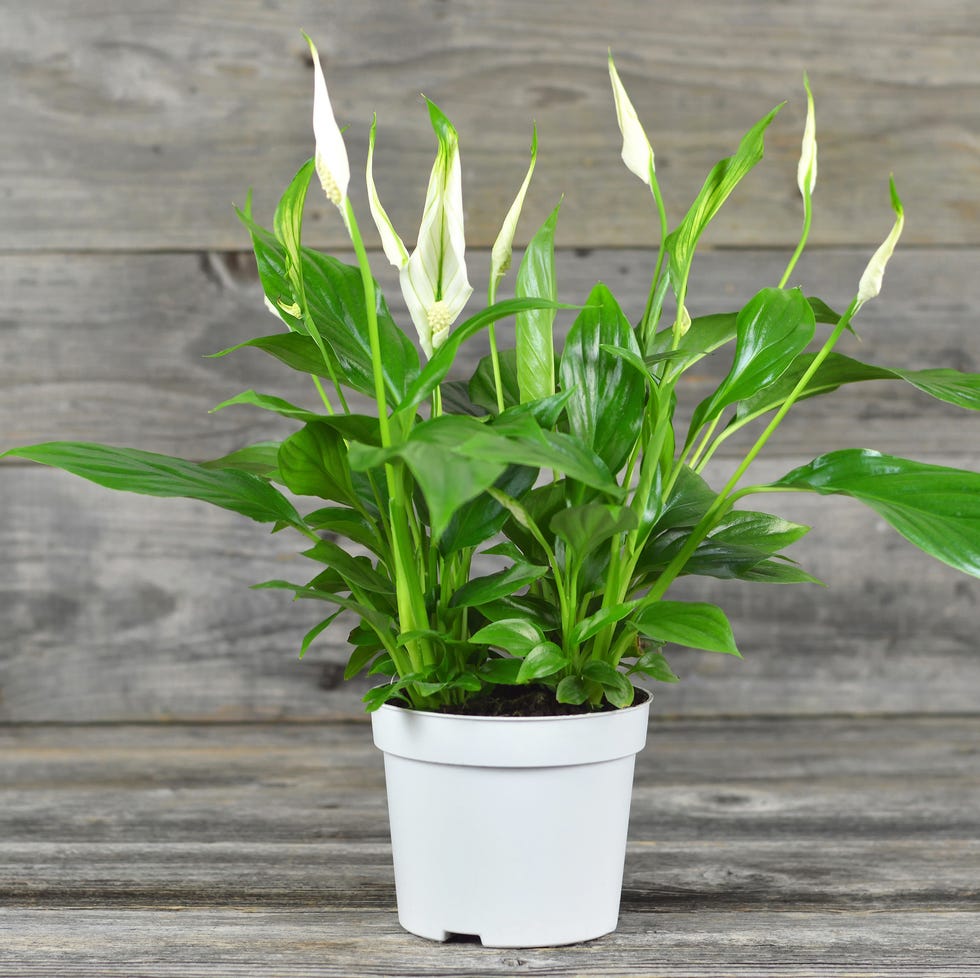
(566,464)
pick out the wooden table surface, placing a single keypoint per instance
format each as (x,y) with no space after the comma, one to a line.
(805,846)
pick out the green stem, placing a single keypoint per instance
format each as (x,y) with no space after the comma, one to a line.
(652,312)
(408,579)
(807,219)
(494,354)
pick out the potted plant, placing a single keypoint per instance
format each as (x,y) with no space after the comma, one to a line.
(507,710)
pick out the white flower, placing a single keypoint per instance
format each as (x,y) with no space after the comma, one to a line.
(433,277)
(332,166)
(637,151)
(500,256)
(870,284)
(806,172)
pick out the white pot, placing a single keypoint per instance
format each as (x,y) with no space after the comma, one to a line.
(510,829)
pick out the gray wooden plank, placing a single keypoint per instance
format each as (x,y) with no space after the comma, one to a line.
(131,608)
(194,943)
(812,847)
(138,128)
(116,351)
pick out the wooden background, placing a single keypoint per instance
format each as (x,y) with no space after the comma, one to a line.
(127,132)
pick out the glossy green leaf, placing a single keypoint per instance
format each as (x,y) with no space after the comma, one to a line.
(501,671)
(542,613)
(268,402)
(542,661)
(313,462)
(760,531)
(590,627)
(150,474)
(295,350)
(482,386)
(288,222)
(572,690)
(514,635)
(654,665)
(606,408)
(694,624)
(772,329)
(481,517)
(618,689)
(951,386)
(348,524)
(932,506)
(690,498)
(261,459)
(335,294)
(359,659)
(482,590)
(356,571)
(721,181)
(773,571)
(586,527)
(533,327)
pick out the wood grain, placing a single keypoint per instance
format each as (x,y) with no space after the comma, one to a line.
(137,129)
(758,847)
(140,609)
(116,350)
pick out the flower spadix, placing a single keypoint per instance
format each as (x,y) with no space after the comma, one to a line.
(433,277)
(870,284)
(332,166)
(637,151)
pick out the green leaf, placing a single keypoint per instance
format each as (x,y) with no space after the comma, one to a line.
(721,181)
(585,528)
(543,660)
(335,294)
(316,631)
(654,664)
(313,462)
(482,590)
(268,402)
(777,572)
(572,690)
(689,500)
(606,408)
(772,330)
(348,524)
(501,672)
(359,659)
(760,531)
(288,222)
(618,689)
(590,627)
(147,473)
(514,635)
(934,507)
(533,327)
(482,517)
(260,459)
(693,624)
(295,350)
(356,571)
(542,613)
(951,386)
(482,387)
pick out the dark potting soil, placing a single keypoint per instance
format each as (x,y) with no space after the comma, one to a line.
(520,701)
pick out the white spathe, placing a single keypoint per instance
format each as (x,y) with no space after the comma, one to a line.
(433,277)
(330,156)
(637,151)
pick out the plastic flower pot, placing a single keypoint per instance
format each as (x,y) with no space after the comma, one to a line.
(510,829)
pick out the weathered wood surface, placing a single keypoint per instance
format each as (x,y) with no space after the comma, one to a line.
(794,847)
(140,609)
(112,347)
(138,130)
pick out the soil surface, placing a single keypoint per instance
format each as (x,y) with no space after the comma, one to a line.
(520,701)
